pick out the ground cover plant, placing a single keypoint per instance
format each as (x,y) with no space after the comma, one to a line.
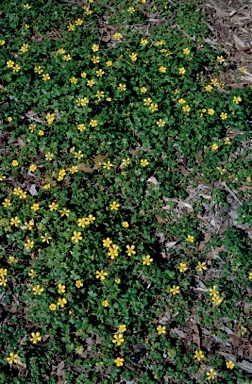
(125,212)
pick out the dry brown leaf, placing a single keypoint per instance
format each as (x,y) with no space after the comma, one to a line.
(196,336)
(60,368)
(160,220)
(20,142)
(215,251)
(250,351)
(184,171)
(152,180)
(97,159)
(82,167)
(207,237)
(246,308)
(238,42)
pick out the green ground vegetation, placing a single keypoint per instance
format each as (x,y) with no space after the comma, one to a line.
(106,119)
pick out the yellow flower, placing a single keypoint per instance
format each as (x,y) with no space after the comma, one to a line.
(28,225)
(214,147)
(223,116)
(73,169)
(201,266)
(125,162)
(81,127)
(131,9)
(186,108)
(190,239)
(113,251)
(61,302)
(95,48)
(32,273)
(118,339)
(14,163)
(230,364)
(67,57)
(107,242)
(2,42)
(24,48)
(122,87)
(61,51)
(162,69)
(210,111)
(118,281)
(99,73)
(15,221)
(35,337)
(3,272)
(213,291)
(79,283)
(73,80)
(38,69)
(114,206)
(53,307)
(211,374)
(82,222)
(3,281)
(107,165)
(133,56)
(181,101)
(79,349)
(125,224)
(16,68)
(76,236)
(53,206)
(83,74)
(217,300)
(93,123)
(13,358)
(9,119)
(175,289)
(12,259)
(91,219)
(199,355)
(27,6)
(49,156)
(182,71)
(208,87)
(2,178)
(6,203)
(220,59)
(242,69)
(250,276)
(186,51)
(37,290)
(130,250)
(46,77)
(122,328)
(79,21)
(143,42)
(214,82)
(143,89)
(105,303)
(109,63)
(144,162)
(182,267)
(35,207)
(221,170)
(95,59)
(161,329)
(227,140)
(117,36)
(160,123)
(119,361)
(237,99)
(153,107)
(10,64)
(61,288)
(147,260)
(90,83)
(101,274)
(71,27)
(41,132)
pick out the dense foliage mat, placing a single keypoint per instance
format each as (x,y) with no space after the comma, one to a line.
(110,110)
